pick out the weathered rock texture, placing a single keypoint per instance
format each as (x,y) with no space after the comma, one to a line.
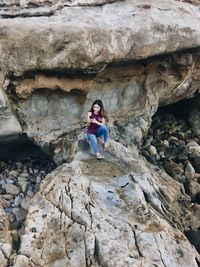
(79,50)
(82,37)
(9,124)
(99,214)
(56,57)
(5,237)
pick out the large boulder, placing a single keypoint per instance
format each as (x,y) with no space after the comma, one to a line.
(94,213)
(85,37)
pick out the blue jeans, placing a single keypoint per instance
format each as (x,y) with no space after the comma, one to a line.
(103,130)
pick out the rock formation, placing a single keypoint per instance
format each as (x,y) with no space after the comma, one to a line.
(56,57)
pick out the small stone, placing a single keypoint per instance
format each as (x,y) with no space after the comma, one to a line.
(8,196)
(172,138)
(23,183)
(189,171)
(21,179)
(8,210)
(24,174)
(24,186)
(157,157)
(20,214)
(38,179)
(162,154)
(166,143)
(25,203)
(10,181)
(11,189)
(13,173)
(17,201)
(152,150)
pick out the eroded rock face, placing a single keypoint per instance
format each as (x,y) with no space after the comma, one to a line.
(131,94)
(56,65)
(82,37)
(94,213)
(9,125)
(56,57)
(5,237)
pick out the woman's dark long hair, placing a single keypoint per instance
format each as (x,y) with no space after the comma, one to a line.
(102,111)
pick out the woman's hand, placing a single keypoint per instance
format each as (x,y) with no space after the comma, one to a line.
(94,121)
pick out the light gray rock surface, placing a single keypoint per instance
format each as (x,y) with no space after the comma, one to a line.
(96,213)
(9,125)
(56,57)
(5,237)
(53,66)
(80,37)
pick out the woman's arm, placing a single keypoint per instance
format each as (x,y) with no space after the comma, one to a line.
(98,122)
(88,117)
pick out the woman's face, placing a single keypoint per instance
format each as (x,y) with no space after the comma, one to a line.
(96,108)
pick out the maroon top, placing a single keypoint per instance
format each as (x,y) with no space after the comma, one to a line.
(93,127)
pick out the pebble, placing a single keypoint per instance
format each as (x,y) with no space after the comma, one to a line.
(13,173)
(11,189)
(24,174)
(20,214)
(8,196)
(152,150)
(18,184)
(25,203)
(166,143)
(10,181)
(38,179)
(189,171)
(17,200)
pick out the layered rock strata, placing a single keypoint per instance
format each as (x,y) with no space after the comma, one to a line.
(56,57)
(94,213)
(84,53)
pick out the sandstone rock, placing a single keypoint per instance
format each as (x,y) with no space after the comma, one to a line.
(91,214)
(8,123)
(108,40)
(5,238)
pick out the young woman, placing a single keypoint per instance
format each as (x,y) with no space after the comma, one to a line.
(96,126)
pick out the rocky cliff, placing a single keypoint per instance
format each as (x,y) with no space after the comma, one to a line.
(56,57)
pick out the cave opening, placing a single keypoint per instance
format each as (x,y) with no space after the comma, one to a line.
(23,166)
(20,148)
(179,110)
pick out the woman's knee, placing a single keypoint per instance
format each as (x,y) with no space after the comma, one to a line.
(104,128)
